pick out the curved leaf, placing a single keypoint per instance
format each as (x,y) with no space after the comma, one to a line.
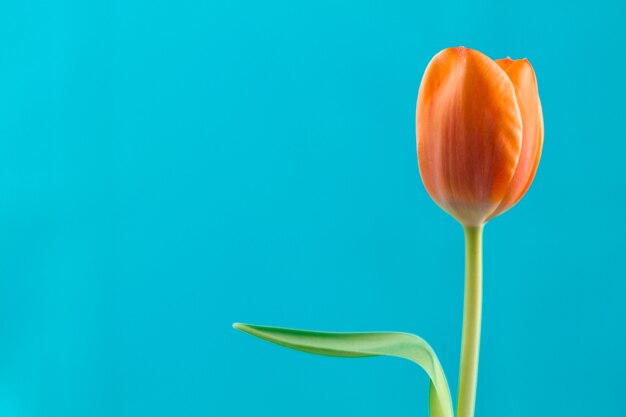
(356,345)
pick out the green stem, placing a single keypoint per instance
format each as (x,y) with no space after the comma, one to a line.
(470,344)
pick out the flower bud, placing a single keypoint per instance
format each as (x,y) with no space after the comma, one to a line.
(479,130)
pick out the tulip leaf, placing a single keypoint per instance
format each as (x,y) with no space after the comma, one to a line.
(357,345)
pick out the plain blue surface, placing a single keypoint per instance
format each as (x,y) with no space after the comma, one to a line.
(167,168)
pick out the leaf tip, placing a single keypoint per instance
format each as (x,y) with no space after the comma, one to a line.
(241,327)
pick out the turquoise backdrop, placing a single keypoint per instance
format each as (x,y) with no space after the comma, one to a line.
(169,167)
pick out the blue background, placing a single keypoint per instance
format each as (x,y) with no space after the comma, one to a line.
(167,168)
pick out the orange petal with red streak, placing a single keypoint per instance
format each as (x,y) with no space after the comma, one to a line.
(523,78)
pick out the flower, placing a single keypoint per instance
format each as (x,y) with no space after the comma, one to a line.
(479,130)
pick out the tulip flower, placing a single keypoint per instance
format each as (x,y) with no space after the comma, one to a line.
(479,133)
(479,130)
(479,137)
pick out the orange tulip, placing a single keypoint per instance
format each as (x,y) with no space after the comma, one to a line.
(479,133)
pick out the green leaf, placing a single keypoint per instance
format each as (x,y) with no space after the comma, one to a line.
(358,345)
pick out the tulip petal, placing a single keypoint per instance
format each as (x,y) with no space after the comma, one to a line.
(469,133)
(505,63)
(523,78)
